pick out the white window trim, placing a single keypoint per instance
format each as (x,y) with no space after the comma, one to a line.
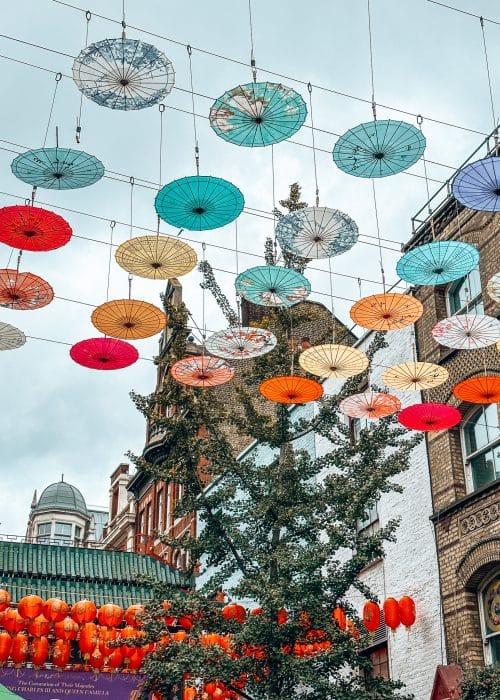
(466,458)
(486,643)
(471,302)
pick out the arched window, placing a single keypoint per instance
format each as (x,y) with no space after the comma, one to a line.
(481,442)
(465,295)
(489,610)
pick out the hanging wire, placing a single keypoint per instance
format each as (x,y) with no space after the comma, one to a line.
(238,301)
(481,20)
(19,261)
(58,77)
(274,204)
(161,109)
(88,17)
(112,225)
(309,87)
(124,26)
(292,349)
(374,105)
(196,147)
(332,308)
(203,322)
(252,56)
(378,236)
(132,182)
(420,120)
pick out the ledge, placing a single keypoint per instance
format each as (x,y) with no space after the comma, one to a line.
(465,501)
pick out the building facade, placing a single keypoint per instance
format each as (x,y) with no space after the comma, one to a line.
(464,462)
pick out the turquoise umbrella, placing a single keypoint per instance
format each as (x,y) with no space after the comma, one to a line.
(57,168)
(271,285)
(438,262)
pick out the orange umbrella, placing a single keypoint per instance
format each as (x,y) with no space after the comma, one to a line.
(156,257)
(370,404)
(128,319)
(386,312)
(483,389)
(202,370)
(291,389)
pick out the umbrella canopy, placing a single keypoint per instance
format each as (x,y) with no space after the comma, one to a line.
(257,114)
(24,291)
(316,232)
(202,371)
(241,343)
(291,389)
(129,319)
(370,404)
(379,148)
(467,331)
(33,228)
(477,186)
(272,285)
(493,287)
(156,257)
(57,168)
(429,416)
(104,353)
(438,262)
(415,376)
(123,73)
(334,361)
(199,203)
(481,389)
(386,312)
(11,337)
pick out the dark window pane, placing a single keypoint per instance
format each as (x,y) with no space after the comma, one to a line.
(483,469)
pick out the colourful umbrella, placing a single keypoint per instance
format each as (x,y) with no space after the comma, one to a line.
(271,285)
(482,389)
(57,168)
(11,337)
(33,228)
(316,232)
(438,262)
(258,114)
(156,257)
(370,404)
(333,361)
(199,203)
(493,287)
(467,331)
(386,312)
(477,186)
(415,376)
(379,148)
(104,353)
(241,343)
(123,74)
(429,416)
(129,319)
(291,389)
(202,371)
(24,291)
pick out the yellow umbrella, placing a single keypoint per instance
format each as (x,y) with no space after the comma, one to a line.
(156,257)
(414,376)
(333,360)
(129,319)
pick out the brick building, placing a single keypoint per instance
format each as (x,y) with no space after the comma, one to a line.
(465,462)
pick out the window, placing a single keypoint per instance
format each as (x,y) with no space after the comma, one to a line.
(481,440)
(356,425)
(140,523)
(159,510)
(370,524)
(149,528)
(465,295)
(78,533)
(379,658)
(490,618)
(43,532)
(62,533)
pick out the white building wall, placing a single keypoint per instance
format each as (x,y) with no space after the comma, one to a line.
(410,565)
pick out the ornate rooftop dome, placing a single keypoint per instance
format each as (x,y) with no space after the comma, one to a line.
(61,496)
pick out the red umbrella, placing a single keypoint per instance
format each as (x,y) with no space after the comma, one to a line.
(33,228)
(22,290)
(104,353)
(482,389)
(429,416)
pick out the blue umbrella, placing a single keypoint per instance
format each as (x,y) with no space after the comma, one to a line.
(316,232)
(123,73)
(57,168)
(477,186)
(258,114)
(271,285)
(379,148)
(199,202)
(438,262)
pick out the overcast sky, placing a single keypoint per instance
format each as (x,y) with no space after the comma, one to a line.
(58,417)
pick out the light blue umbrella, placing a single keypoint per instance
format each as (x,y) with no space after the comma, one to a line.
(271,285)
(438,262)
(57,168)
(316,232)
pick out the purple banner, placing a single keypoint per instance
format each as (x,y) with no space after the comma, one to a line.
(66,685)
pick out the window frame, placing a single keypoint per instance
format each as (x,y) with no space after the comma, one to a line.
(468,457)
(473,303)
(45,537)
(487,648)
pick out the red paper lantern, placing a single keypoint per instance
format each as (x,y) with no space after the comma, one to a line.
(55,609)
(127,633)
(39,627)
(97,659)
(352,629)
(83,611)
(256,611)
(30,607)
(371,616)
(115,659)
(4,600)
(107,635)
(233,611)
(189,693)
(20,648)
(88,639)
(133,615)
(179,636)
(429,416)
(61,652)
(282,616)
(66,629)
(185,621)
(12,621)
(110,615)
(407,611)
(5,646)
(135,661)
(169,620)
(340,618)
(39,651)
(33,228)
(392,613)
